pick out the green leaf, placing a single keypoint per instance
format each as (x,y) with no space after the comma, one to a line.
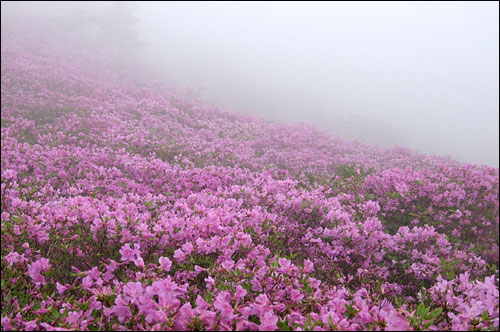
(420,310)
(433,314)
(331,325)
(208,297)
(428,324)
(351,311)
(247,286)
(283,326)
(426,310)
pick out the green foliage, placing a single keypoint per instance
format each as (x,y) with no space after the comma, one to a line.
(351,311)
(423,317)
(346,171)
(448,269)
(394,195)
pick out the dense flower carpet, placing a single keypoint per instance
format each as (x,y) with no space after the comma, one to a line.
(127,205)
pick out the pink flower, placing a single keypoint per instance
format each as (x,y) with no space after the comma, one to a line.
(188,248)
(295,295)
(121,310)
(108,276)
(256,285)
(183,317)
(228,265)
(268,321)
(60,288)
(371,208)
(13,257)
(44,264)
(179,255)
(35,269)
(129,254)
(15,202)
(139,262)
(155,316)
(132,291)
(395,322)
(262,300)
(49,327)
(74,317)
(208,317)
(199,269)
(87,282)
(9,174)
(165,263)
(261,304)
(308,266)
(210,282)
(240,292)
(285,265)
(221,303)
(111,266)
(6,323)
(30,325)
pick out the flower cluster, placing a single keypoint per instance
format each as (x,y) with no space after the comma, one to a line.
(126,205)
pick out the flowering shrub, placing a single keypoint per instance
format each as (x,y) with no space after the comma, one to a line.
(127,206)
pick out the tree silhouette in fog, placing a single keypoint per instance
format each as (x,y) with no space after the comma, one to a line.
(117,30)
(112,27)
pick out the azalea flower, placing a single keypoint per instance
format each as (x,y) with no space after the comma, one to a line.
(295,295)
(121,310)
(179,255)
(35,269)
(132,291)
(268,321)
(308,266)
(228,265)
(165,263)
(128,253)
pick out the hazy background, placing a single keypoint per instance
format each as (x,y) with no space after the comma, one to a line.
(421,75)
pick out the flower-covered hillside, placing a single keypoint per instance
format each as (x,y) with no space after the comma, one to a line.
(126,205)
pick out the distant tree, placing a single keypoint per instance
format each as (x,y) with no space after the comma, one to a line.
(116,30)
(78,19)
(112,27)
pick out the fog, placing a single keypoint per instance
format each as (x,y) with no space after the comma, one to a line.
(420,75)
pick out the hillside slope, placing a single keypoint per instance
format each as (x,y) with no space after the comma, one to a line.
(126,205)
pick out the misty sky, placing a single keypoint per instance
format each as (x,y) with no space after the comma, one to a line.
(422,75)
